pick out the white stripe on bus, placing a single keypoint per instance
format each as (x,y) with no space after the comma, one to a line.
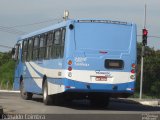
(85,75)
(34,75)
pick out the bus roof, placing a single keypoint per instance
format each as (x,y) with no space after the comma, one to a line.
(55,26)
(64,23)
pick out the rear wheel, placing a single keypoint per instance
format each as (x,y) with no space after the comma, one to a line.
(25,95)
(47,99)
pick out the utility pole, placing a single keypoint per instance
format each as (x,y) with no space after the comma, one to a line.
(144,43)
(141,77)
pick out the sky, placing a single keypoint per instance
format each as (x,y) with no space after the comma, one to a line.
(15,13)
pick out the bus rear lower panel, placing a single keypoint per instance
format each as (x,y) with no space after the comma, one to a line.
(113,90)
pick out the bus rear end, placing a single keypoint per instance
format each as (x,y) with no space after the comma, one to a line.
(101,58)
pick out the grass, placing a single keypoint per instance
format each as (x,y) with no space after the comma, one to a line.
(7,75)
(144,96)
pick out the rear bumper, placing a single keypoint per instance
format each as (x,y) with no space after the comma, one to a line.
(123,88)
(73,87)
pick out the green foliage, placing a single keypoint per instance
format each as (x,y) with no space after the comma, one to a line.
(151,77)
(6,71)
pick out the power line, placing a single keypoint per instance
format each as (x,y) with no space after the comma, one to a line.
(11,30)
(35,23)
(5,46)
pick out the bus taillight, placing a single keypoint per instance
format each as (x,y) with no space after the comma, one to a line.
(133,71)
(70,62)
(69,68)
(133,66)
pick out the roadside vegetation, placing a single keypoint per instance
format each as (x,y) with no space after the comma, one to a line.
(151,82)
(6,71)
(151,77)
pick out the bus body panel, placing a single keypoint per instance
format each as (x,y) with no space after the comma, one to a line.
(88,60)
(90,46)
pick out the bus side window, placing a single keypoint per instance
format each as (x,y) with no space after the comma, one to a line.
(24,49)
(49,38)
(63,42)
(63,36)
(36,48)
(30,49)
(57,37)
(57,44)
(42,46)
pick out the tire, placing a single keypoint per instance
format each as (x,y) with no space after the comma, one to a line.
(25,95)
(47,99)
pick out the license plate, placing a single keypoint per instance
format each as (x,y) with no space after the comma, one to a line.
(101,78)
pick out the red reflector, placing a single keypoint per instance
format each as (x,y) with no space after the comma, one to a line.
(103,52)
(133,65)
(70,68)
(68,86)
(132,71)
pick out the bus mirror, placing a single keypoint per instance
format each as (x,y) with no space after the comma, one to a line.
(13,51)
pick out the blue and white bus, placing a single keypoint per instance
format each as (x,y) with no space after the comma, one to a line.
(77,59)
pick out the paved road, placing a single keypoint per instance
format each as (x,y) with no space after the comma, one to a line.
(13,104)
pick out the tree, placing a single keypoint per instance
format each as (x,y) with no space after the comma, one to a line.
(151,78)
